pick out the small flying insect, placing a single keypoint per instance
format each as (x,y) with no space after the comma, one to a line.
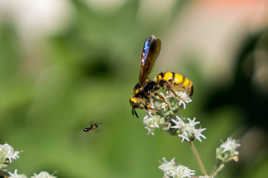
(145,89)
(92,127)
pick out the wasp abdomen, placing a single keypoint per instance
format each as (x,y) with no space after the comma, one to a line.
(174,81)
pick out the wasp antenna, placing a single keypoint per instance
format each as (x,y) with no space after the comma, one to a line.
(135,113)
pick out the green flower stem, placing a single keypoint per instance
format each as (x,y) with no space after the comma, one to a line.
(217,169)
(197,157)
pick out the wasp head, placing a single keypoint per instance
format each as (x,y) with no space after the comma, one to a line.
(137,90)
(136,102)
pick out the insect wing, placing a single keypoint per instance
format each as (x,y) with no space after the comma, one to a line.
(151,50)
(92,127)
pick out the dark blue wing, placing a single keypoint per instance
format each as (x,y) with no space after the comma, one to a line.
(150,52)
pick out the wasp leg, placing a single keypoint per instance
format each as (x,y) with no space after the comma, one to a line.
(149,108)
(174,93)
(161,97)
(145,106)
(169,88)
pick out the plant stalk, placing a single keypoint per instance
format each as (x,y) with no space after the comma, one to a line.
(197,157)
(218,168)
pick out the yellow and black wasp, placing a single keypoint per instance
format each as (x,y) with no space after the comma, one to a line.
(145,88)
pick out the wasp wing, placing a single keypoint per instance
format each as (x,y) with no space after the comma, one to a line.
(151,50)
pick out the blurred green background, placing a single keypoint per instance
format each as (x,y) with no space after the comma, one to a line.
(66,63)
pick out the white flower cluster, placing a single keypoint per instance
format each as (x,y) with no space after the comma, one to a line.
(186,129)
(171,170)
(173,102)
(184,99)
(165,115)
(228,150)
(7,155)
(151,122)
(42,174)
(16,175)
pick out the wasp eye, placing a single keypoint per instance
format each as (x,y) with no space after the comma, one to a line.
(137,86)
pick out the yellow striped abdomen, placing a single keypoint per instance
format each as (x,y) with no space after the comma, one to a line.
(174,81)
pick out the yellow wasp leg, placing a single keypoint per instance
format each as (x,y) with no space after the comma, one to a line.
(148,107)
(161,98)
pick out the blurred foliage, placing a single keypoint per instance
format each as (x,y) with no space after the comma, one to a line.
(248,99)
(87,73)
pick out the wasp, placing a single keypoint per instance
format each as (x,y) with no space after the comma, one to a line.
(146,88)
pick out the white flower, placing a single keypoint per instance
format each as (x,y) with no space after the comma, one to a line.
(152,122)
(170,169)
(16,175)
(184,98)
(7,155)
(181,98)
(164,106)
(187,131)
(230,145)
(228,150)
(184,172)
(43,174)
